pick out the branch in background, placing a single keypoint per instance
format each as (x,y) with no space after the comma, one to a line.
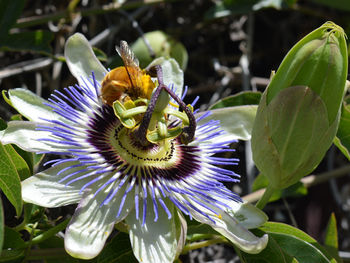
(25,66)
(308,181)
(38,20)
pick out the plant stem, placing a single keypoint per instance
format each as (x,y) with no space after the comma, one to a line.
(196,237)
(49,233)
(201,244)
(266,197)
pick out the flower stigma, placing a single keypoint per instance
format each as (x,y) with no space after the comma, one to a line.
(140,106)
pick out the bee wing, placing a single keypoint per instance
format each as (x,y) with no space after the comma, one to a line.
(127,55)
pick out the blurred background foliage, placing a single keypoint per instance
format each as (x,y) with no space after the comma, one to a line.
(223,46)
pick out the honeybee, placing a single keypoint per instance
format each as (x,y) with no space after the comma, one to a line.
(127,82)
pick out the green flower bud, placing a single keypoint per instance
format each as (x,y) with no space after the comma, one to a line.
(318,61)
(299,112)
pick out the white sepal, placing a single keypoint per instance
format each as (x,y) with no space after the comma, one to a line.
(81,59)
(237,122)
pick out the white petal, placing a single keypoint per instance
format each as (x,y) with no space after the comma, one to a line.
(153,241)
(92,223)
(26,136)
(31,106)
(237,122)
(230,228)
(81,59)
(44,188)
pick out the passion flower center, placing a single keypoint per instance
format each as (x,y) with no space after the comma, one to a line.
(162,155)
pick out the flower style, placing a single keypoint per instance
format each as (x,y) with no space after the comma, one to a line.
(106,168)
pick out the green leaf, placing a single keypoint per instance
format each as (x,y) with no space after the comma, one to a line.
(16,117)
(101,56)
(195,227)
(12,256)
(331,238)
(271,254)
(20,164)
(342,141)
(37,41)
(37,158)
(239,99)
(13,239)
(55,242)
(295,190)
(9,12)
(338,4)
(118,250)
(3,124)
(2,225)
(297,243)
(14,247)
(33,213)
(28,157)
(10,183)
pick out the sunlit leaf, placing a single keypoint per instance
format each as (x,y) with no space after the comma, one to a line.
(28,157)
(297,243)
(10,182)
(331,238)
(271,254)
(20,164)
(32,159)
